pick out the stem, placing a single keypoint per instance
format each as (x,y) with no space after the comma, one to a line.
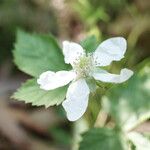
(101,119)
(79,127)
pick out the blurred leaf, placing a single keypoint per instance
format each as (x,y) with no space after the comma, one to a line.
(101,139)
(97,15)
(30,92)
(89,43)
(92,12)
(140,142)
(60,135)
(94,105)
(129,103)
(35,54)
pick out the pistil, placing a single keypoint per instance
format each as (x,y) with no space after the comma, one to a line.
(84,66)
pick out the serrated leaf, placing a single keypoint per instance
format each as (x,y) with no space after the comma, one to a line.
(101,139)
(89,44)
(30,92)
(129,103)
(35,54)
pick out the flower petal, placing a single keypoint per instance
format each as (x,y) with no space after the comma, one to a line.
(105,76)
(76,99)
(50,80)
(109,50)
(72,51)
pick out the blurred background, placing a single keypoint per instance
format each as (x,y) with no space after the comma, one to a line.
(23,127)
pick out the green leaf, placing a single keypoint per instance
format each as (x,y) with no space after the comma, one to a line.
(30,92)
(129,103)
(89,44)
(60,135)
(101,139)
(35,54)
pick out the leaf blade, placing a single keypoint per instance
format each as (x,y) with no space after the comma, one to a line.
(101,139)
(30,92)
(89,43)
(35,54)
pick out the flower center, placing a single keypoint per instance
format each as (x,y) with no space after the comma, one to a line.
(84,66)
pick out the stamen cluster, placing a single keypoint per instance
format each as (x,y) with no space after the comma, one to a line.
(84,66)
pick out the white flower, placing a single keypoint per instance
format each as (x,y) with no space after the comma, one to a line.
(85,65)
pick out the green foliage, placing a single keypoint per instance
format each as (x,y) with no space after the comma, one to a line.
(96,11)
(101,139)
(35,54)
(91,14)
(60,135)
(129,103)
(89,44)
(26,14)
(30,92)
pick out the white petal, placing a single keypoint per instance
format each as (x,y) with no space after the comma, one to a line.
(76,99)
(105,76)
(72,51)
(109,50)
(50,80)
